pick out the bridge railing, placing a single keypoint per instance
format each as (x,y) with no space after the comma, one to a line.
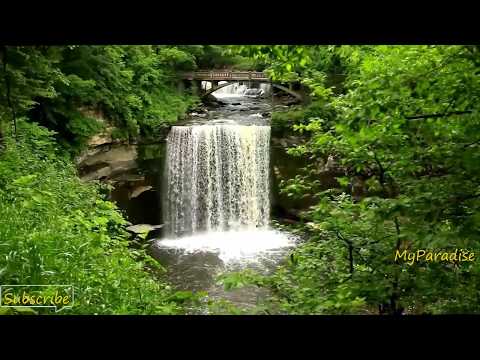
(225,75)
(259,75)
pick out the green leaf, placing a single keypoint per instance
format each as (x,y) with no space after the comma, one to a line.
(25,180)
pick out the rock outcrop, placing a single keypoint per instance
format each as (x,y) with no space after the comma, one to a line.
(105,156)
(146,230)
(106,162)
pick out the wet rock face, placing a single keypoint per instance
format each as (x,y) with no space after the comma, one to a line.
(113,155)
(284,167)
(134,170)
(286,141)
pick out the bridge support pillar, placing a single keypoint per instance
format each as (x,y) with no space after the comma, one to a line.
(197,87)
(181,86)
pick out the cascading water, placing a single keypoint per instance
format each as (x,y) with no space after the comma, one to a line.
(236,89)
(231,90)
(217,179)
(216,195)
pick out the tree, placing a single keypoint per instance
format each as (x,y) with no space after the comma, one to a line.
(133,86)
(404,131)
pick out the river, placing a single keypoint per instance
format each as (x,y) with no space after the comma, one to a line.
(215,199)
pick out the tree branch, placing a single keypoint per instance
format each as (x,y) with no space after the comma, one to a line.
(433,116)
(382,177)
(472,143)
(350,251)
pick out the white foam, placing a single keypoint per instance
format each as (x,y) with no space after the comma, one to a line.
(233,246)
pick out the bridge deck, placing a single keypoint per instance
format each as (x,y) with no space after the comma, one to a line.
(225,75)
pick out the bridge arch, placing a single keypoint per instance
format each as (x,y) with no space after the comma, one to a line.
(218,87)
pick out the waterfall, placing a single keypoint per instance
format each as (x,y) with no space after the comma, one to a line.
(232,89)
(217,178)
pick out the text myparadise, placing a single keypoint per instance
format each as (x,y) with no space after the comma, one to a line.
(426,255)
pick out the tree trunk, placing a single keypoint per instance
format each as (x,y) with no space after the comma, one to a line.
(7,85)
(393,308)
(1,139)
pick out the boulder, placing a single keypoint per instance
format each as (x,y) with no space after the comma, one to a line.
(150,230)
(103,172)
(116,154)
(254,92)
(139,190)
(107,161)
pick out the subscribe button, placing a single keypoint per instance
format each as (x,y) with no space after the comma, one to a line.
(58,297)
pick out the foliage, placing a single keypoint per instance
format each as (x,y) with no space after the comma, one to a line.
(133,87)
(223,57)
(283,121)
(404,131)
(58,230)
(400,125)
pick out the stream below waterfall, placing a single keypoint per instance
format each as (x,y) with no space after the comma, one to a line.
(215,199)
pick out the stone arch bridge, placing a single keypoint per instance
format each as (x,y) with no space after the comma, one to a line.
(215,76)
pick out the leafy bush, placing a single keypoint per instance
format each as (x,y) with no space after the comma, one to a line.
(134,87)
(57,230)
(404,131)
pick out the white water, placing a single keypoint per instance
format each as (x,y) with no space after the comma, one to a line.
(266,88)
(234,246)
(234,90)
(217,178)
